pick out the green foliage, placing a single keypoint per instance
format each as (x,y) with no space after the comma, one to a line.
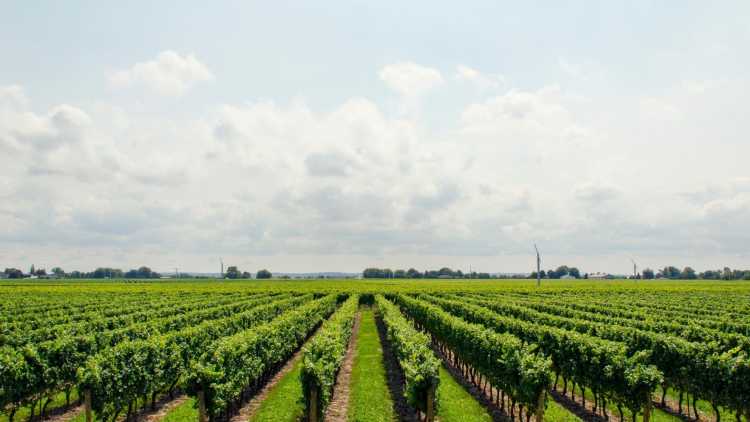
(119,375)
(412,349)
(617,338)
(323,355)
(503,358)
(601,365)
(232,363)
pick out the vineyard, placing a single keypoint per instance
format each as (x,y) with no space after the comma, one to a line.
(428,350)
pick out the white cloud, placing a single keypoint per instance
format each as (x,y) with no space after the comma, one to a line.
(274,178)
(480,80)
(168,74)
(595,193)
(410,79)
(13,97)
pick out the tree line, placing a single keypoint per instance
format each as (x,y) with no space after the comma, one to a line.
(558,273)
(234,273)
(105,272)
(688,273)
(101,272)
(444,272)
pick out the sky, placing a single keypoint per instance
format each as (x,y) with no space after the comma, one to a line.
(338,135)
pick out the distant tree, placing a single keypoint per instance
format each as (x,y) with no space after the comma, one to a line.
(670,272)
(104,272)
(483,276)
(40,272)
(32,271)
(232,272)
(14,273)
(727,275)
(707,275)
(263,274)
(76,274)
(57,271)
(559,272)
(648,274)
(246,275)
(586,276)
(573,271)
(413,273)
(400,274)
(688,274)
(445,271)
(372,273)
(746,276)
(543,274)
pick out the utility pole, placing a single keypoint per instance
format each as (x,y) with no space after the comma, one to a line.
(635,269)
(222,268)
(538,267)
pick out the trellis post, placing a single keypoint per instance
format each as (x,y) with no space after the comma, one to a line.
(313,416)
(202,415)
(87,405)
(431,404)
(540,407)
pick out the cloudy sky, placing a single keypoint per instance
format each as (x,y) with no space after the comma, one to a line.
(313,136)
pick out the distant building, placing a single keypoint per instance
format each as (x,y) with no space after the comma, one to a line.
(599,276)
(567,277)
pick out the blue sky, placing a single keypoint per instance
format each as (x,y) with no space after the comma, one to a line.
(327,136)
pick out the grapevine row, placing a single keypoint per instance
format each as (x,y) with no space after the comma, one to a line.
(412,349)
(323,356)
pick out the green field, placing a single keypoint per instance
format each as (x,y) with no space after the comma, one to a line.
(623,339)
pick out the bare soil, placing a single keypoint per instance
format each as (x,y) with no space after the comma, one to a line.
(63,414)
(338,409)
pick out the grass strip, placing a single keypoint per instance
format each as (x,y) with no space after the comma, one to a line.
(370,401)
(456,404)
(284,402)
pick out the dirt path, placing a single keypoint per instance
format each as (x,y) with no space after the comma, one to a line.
(163,407)
(248,410)
(338,409)
(585,412)
(672,404)
(65,416)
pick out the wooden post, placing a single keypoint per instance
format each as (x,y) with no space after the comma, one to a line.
(313,416)
(540,407)
(87,405)
(202,415)
(431,404)
(647,412)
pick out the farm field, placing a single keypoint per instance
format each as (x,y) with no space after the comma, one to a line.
(448,350)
